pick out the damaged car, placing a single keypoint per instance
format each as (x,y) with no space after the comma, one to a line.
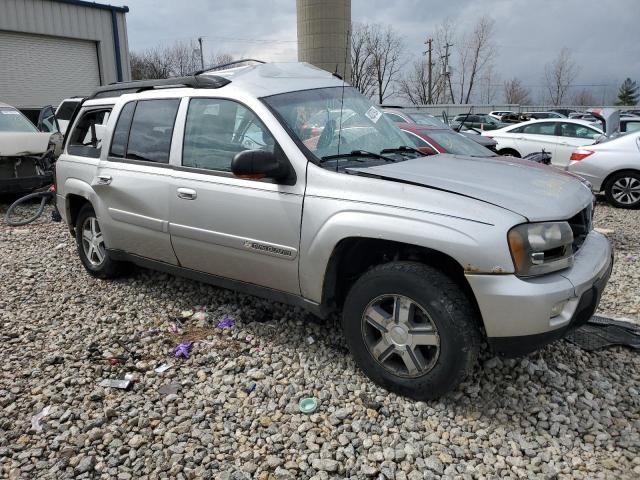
(27,155)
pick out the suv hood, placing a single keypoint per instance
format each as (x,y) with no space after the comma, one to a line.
(537,192)
(15,144)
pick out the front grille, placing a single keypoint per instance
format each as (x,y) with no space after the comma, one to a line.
(581,224)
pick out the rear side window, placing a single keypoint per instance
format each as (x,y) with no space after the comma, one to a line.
(121,132)
(86,138)
(542,128)
(149,136)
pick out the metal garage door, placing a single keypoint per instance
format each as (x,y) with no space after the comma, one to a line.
(40,70)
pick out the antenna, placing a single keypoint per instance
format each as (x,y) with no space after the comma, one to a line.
(346,57)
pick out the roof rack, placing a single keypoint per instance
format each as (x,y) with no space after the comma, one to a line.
(194,81)
(229,64)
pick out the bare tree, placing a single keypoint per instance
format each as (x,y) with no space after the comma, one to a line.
(584,98)
(220,58)
(415,85)
(151,64)
(361,69)
(488,85)
(385,47)
(515,93)
(184,57)
(560,75)
(477,53)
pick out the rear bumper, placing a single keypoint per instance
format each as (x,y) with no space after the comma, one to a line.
(517,312)
(24,184)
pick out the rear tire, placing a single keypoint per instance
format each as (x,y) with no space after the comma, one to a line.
(622,190)
(411,329)
(92,249)
(509,151)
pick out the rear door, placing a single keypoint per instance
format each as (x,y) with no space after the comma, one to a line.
(134,180)
(570,137)
(243,229)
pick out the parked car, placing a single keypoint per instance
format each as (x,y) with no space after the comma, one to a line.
(498,114)
(479,121)
(565,112)
(431,141)
(65,111)
(541,115)
(421,118)
(44,118)
(425,258)
(559,137)
(613,168)
(629,124)
(26,155)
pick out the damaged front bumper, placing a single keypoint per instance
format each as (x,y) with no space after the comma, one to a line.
(25,173)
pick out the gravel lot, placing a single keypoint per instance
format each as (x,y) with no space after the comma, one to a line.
(559,413)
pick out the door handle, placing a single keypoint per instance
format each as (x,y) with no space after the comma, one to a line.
(186,193)
(104,179)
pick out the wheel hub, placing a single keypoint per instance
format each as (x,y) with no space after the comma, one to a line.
(398,335)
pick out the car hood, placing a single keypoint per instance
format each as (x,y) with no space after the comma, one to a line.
(537,192)
(14,144)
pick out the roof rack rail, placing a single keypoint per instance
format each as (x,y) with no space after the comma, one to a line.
(229,64)
(194,81)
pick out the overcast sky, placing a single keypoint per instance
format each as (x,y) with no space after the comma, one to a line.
(602,35)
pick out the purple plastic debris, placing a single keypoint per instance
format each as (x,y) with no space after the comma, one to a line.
(226,322)
(183,350)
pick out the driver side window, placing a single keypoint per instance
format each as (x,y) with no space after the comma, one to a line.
(216,130)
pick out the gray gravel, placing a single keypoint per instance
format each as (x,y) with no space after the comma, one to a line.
(559,413)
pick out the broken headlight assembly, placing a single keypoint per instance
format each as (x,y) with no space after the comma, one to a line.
(539,248)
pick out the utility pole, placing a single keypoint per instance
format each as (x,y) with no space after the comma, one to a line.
(430,67)
(201,55)
(447,72)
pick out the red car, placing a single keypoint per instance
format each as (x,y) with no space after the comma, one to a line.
(431,140)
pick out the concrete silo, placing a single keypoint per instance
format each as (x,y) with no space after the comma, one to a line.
(323,34)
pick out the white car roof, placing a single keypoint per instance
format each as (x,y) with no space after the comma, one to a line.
(547,120)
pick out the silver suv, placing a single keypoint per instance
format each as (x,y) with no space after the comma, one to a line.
(221,177)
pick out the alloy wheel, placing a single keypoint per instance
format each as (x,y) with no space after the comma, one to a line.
(400,335)
(626,190)
(93,242)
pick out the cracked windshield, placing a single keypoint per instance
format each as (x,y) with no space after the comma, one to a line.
(361,133)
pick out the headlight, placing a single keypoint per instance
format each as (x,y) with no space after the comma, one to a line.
(539,248)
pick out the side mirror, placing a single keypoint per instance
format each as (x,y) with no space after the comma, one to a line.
(258,164)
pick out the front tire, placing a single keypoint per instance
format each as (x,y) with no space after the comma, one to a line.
(91,247)
(411,329)
(509,152)
(623,190)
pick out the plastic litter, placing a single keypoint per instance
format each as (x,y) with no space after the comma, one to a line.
(162,368)
(630,258)
(308,405)
(35,420)
(186,313)
(183,350)
(226,322)
(114,383)
(310,340)
(251,387)
(200,316)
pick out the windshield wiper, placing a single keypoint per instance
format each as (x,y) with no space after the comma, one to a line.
(357,153)
(402,149)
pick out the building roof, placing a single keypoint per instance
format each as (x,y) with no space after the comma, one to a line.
(101,6)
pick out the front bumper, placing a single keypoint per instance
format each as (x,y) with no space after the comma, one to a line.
(24,184)
(517,312)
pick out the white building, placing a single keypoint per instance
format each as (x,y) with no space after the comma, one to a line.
(53,49)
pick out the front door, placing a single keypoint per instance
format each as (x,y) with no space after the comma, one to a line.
(536,137)
(134,181)
(241,229)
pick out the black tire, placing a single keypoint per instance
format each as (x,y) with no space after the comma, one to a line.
(509,151)
(449,310)
(612,192)
(107,268)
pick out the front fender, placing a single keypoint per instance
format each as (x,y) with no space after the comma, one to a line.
(477,247)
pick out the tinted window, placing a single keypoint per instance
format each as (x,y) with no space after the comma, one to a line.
(121,132)
(576,131)
(66,109)
(11,120)
(216,130)
(542,128)
(151,130)
(86,138)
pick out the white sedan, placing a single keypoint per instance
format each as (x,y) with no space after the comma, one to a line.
(557,136)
